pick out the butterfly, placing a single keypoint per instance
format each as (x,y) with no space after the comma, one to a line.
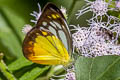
(49,42)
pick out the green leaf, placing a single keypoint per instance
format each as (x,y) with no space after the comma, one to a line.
(9,43)
(99,68)
(34,73)
(19,63)
(4,70)
(0,78)
(23,8)
(14,22)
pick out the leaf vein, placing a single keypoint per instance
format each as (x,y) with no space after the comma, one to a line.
(91,69)
(111,65)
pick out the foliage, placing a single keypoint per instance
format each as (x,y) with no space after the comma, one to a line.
(14,14)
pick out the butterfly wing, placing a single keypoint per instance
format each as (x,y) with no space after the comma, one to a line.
(44,43)
(56,23)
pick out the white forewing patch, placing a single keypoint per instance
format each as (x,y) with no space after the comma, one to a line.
(52,24)
(63,38)
(58,25)
(52,30)
(44,23)
(42,28)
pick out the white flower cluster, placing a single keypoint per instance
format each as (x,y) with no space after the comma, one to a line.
(118,4)
(70,74)
(98,7)
(26,28)
(36,14)
(102,37)
(64,11)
